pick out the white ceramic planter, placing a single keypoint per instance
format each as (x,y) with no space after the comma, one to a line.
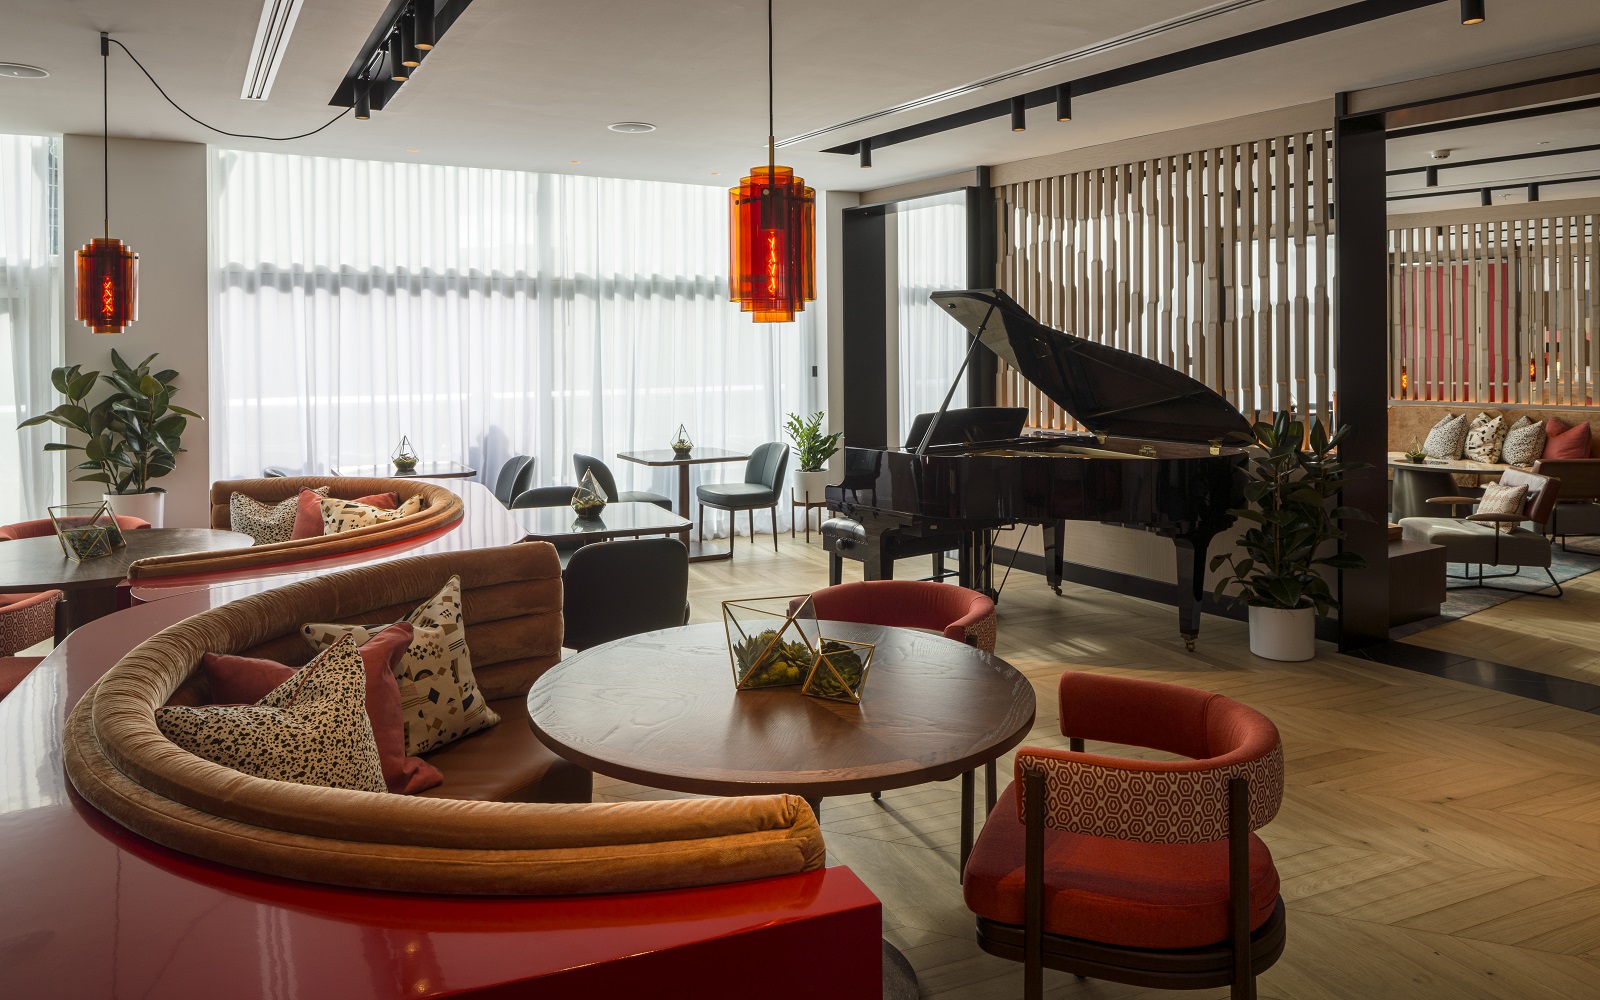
(149,506)
(810,484)
(1283,635)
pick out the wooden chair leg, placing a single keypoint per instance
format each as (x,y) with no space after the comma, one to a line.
(752,513)
(702,524)
(775,528)
(991,794)
(1033,889)
(1243,986)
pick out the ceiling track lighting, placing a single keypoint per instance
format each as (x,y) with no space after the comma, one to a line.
(1433,177)
(1533,192)
(407,30)
(1484,197)
(866,152)
(395,47)
(364,100)
(1472,12)
(108,271)
(1063,102)
(398,71)
(1019,113)
(422,24)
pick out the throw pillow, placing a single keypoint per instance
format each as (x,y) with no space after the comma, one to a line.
(265,523)
(246,680)
(1484,438)
(348,515)
(1524,443)
(1447,438)
(1498,499)
(312,729)
(439,697)
(1562,441)
(308,511)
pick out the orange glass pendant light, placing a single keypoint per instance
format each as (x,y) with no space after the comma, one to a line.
(108,271)
(772,243)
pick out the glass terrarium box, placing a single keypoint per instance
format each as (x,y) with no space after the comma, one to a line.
(840,670)
(772,641)
(404,455)
(589,499)
(86,530)
(682,446)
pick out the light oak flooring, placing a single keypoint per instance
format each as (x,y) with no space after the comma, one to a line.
(1437,840)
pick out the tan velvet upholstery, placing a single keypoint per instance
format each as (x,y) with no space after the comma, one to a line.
(441,507)
(507,763)
(1409,424)
(119,760)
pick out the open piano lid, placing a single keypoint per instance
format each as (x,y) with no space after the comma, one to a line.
(1108,390)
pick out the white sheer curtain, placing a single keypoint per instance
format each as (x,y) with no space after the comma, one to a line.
(932,255)
(484,313)
(30,322)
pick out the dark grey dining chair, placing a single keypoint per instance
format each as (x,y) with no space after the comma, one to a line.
(514,479)
(622,588)
(544,496)
(763,474)
(608,482)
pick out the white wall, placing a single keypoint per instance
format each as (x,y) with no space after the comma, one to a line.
(159,208)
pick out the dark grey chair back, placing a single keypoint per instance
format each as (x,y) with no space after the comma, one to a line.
(544,496)
(273,472)
(602,474)
(514,479)
(622,588)
(767,464)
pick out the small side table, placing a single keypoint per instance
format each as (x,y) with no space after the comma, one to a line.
(808,504)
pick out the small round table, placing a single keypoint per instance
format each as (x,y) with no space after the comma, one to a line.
(33,564)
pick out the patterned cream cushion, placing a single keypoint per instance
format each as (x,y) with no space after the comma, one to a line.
(347,515)
(1524,443)
(439,697)
(265,522)
(1484,438)
(1499,499)
(312,729)
(1447,438)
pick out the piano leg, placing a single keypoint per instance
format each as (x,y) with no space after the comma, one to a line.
(1055,535)
(1191,585)
(976,562)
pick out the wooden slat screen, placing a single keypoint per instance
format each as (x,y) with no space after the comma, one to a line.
(1214,262)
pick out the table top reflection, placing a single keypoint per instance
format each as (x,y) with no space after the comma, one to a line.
(424,470)
(618,520)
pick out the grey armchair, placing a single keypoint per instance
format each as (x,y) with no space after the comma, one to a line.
(763,474)
(608,482)
(1495,539)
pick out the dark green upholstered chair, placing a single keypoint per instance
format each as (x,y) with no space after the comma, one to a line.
(544,496)
(514,479)
(621,588)
(608,482)
(763,475)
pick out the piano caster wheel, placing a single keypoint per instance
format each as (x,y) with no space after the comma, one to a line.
(1057,589)
(1188,644)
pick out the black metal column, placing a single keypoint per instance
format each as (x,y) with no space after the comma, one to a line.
(981,274)
(866,328)
(1361,283)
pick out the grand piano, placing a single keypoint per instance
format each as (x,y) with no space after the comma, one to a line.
(1156,457)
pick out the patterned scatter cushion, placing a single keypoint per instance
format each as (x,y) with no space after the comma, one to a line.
(265,522)
(1562,441)
(1484,438)
(1524,443)
(312,729)
(308,510)
(1499,499)
(348,515)
(1447,438)
(439,697)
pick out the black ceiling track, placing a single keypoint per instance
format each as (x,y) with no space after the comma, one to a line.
(1296,30)
(1508,158)
(1498,186)
(372,57)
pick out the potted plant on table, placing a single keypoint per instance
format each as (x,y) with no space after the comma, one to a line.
(812,451)
(132,435)
(1290,490)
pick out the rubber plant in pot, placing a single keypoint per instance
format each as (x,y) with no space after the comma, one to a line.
(1291,492)
(812,451)
(132,435)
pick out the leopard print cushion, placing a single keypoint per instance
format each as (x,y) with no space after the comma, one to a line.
(1484,438)
(1524,442)
(312,729)
(1447,438)
(265,523)
(347,515)
(439,698)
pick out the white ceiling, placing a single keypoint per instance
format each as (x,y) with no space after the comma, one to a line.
(1474,142)
(532,85)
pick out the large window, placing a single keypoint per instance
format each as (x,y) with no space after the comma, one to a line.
(484,313)
(931,252)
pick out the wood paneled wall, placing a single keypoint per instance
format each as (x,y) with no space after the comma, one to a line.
(1499,306)
(1214,261)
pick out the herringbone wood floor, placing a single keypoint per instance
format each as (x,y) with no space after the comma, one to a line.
(1437,840)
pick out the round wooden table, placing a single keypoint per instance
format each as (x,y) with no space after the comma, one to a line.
(34,564)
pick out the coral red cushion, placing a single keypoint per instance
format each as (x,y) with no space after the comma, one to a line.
(244,680)
(308,511)
(1561,441)
(1115,891)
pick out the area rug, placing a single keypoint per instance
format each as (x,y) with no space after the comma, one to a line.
(1460,601)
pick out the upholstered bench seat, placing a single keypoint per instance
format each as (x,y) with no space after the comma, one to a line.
(1476,542)
(507,763)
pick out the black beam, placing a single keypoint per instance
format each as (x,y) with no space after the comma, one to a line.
(1509,186)
(382,90)
(1508,158)
(866,327)
(1515,115)
(981,209)
(1360,308)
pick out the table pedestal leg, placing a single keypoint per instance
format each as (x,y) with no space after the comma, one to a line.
(83,606)
(698,551)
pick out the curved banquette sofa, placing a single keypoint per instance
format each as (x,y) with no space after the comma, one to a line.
(477,833)
(441,508)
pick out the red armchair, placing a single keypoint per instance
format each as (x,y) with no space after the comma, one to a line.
(1134,871)
(961,614)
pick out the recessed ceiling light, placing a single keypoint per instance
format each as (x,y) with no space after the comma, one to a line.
(716,173)
(22,71)
(1544,142)
(631,127)
(573,162)
(413,150)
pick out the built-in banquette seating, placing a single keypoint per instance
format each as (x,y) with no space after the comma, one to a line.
(440,508)
(482,831)
(1409,424)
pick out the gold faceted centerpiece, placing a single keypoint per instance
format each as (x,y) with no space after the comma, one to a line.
(772,641)
(86,530)
(840,670)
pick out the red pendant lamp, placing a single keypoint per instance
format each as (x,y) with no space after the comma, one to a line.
(108,271)
(772,215)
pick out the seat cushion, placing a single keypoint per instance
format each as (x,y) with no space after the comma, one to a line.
(1115,891)
(740,495)
(508,764)
(641,496)
(1476,542)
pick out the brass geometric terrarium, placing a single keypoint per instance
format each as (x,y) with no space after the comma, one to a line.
(86,530)
(840,670)
(772,641)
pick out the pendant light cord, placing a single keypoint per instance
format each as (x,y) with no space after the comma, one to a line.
(219,131)
(105,132)
(772,149)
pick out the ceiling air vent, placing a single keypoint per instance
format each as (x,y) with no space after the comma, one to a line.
(272,39)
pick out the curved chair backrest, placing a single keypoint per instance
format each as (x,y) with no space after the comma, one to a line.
(602,473)
(960,614)
(616,589)
(514,479)
(44,526)
(274,472)
(1542,493)
(767,465)
(544,496)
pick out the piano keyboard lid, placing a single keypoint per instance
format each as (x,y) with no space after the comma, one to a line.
(1108,390)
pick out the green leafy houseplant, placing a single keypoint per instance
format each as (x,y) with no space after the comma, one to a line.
(812,447)
(132,435)
(1289,490)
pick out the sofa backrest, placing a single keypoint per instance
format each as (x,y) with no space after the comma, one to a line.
(1409,423)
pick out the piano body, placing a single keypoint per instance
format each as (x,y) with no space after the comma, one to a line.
(1156,457)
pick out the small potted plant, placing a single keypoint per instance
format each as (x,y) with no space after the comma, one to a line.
(812,451)
(1290,491)
(1416,456)
(132,436)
